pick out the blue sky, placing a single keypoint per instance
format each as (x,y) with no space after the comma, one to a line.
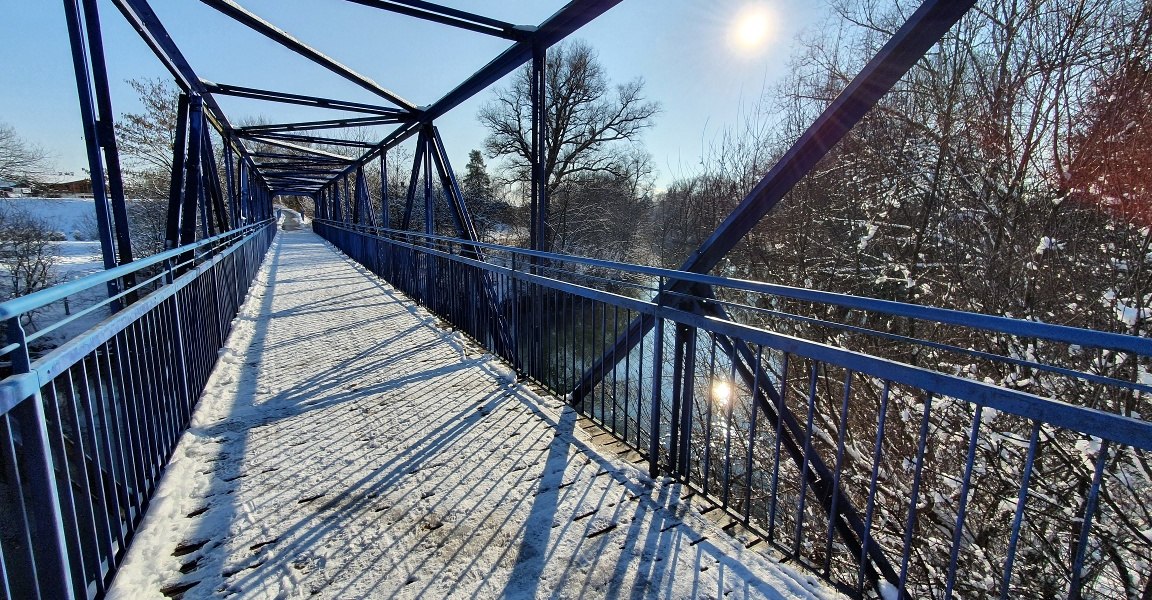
(683,50)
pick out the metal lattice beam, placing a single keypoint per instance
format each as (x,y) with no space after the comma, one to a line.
(259,25)
(449,16)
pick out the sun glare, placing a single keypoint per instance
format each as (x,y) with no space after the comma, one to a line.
(721,392)
(751,29)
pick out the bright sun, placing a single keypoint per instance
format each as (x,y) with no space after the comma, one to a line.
(751,29)
(721,392)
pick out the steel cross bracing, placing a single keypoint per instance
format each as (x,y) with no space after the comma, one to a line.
(338,185)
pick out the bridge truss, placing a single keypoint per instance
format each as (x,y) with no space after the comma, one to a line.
(644,369)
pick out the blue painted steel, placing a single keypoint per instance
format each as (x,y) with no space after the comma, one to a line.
(923,29)
(299,99)
(192,180)
(461,216)
(312,125)
(304,139)
(1018,518)
(89,118)
(176,184)
(106,137)
(98,416)
(655,409)
(250,20)
(538,94)
(550,318)
(869,510)
(782,519)
(449,16)
(385,199)
(1074,589)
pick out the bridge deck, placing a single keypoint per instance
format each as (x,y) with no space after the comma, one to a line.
(348,447)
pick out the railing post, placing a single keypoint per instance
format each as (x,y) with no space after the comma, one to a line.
(53,572)
(677,393)
(687,401)
(657,384)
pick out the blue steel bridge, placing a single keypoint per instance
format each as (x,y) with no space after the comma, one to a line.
(880,474)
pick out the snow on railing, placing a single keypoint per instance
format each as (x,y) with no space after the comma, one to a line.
(897,450)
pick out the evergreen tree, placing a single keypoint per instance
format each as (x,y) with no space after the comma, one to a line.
(477,184)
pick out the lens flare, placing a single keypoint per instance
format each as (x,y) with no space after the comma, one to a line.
(721,392)
(751,29)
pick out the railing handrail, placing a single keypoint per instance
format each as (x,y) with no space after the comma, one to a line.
(41,298)
(1012,326)
(1086,420)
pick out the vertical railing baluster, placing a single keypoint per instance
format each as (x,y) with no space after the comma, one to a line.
(1021,500)
(841,434)
(657,385)
(688,402)
(1074,591)
(870,510)
(962,510)
(798,533)
(914,497)
(773,495)
(729,401)
(706,475)
(751,463)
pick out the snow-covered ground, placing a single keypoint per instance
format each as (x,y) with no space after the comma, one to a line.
(346,447)
(74,219)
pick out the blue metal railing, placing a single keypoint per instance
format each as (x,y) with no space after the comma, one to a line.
(897,450)
(87,426)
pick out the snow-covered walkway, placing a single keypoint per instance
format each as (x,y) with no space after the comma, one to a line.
(347,447)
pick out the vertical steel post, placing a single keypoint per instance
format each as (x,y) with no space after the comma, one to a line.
(172,223)
(411,200)
(538,235)
(657,385)
(245,205)
(385,216)
(230,174)
(53,570)
(429,200)
(91,136)
(465,227)
(106,135)
(192,170)
(334,198)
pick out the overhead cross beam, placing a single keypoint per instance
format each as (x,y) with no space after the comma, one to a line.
(314,125)
(305,149)
(449,16)
(298,99)
(259,25)
(568,19)
(143,19)
(310,159)
(304,139)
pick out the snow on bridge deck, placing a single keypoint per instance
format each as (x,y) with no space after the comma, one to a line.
(346,447)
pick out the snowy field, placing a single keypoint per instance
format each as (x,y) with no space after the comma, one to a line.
(346,447)
(74,220)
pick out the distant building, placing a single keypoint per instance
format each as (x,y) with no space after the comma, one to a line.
(7,188)
(81,188)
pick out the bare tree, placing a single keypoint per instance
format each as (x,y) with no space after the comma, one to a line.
(145,139)
(586,118)
(20,160)
(27,255)
(593,138)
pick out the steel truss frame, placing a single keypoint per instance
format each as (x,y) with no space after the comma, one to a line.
(337,183)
